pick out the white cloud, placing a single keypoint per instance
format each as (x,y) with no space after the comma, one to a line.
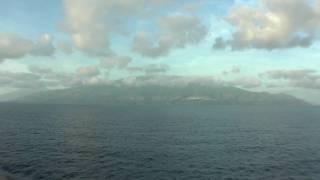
(274,24)
(91,23)
(300,78)
(175,31)
(13,46)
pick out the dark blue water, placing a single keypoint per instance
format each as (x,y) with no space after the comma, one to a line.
(159,142)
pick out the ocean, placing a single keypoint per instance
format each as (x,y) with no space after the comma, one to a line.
(159,142)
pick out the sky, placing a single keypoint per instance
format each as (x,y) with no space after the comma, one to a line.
(257,45)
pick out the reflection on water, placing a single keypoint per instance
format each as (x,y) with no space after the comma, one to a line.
(159,142)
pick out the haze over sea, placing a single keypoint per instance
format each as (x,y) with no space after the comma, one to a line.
(159,142)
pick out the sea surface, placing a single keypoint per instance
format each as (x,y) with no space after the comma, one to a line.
(159,142)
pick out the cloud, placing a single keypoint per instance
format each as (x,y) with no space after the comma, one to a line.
(175,31)
(65,47)
(233,70)
(42,78)
(292,74)
(52,77)
(115,61)
(43,47)
(272,25)
(19,80)
(133,70)
(170,80)
(92,23)
(300,78)
(156,69)
(84,22)
(156,74)
(219,43)
(246,83)
(88,71)
(39,70)
(150,69)
(13,46)
(178,81)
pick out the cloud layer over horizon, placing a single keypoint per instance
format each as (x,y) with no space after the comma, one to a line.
(261,45)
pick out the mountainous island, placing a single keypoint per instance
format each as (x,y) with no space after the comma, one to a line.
(156,94)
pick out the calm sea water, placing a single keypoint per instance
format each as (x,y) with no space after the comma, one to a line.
(159,142)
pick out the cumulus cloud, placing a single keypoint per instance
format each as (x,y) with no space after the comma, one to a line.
(115,61)
(175,31)
(301,78)
(91,23)
(273,25)
(13,46)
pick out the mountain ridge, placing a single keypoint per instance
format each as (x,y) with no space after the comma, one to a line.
(148,94)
